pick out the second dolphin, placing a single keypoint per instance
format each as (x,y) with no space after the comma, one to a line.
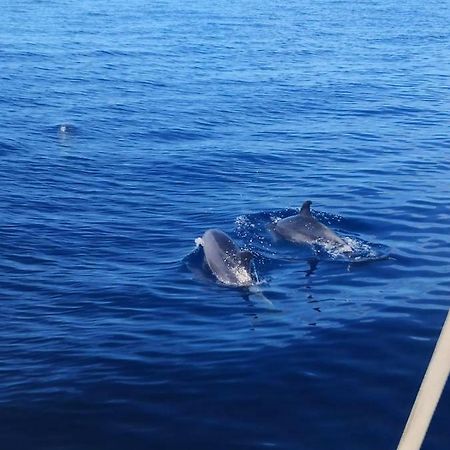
(304,228)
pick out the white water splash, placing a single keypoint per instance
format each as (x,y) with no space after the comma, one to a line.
(243,277)
(243,221)
(361,250)
(353,250)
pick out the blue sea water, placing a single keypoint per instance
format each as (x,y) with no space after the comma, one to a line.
(127,129)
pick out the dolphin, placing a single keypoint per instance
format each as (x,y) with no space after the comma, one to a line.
(227,262)
(304,228)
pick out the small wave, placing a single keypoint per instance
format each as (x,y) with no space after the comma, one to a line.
(65,129)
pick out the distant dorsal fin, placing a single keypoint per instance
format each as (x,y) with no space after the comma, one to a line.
(246,258)
(306,211)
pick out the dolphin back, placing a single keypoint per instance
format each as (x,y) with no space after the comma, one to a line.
(304,228)
(229,264)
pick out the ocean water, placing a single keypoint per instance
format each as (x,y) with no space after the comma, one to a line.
(129,128)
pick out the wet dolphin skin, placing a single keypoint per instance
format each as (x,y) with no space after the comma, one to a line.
(304,228)
(227,262)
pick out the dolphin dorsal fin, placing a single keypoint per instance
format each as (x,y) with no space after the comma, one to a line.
(246,258)
(306,211)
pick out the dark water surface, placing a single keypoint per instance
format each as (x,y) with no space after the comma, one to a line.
(129,128)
